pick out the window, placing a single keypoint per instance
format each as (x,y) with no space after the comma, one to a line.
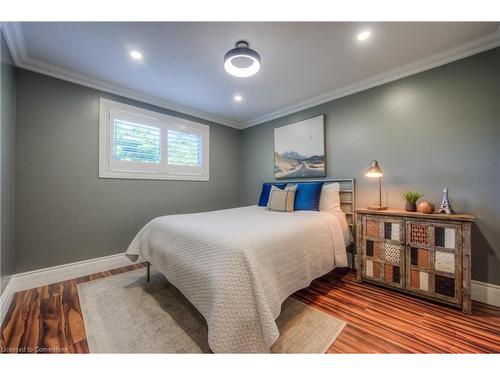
(137,143)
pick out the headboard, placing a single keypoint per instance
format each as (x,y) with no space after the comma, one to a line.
(347,205)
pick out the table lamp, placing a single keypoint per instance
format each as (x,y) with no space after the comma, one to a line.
(375,171)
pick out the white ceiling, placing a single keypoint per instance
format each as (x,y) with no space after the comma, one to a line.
(302,63)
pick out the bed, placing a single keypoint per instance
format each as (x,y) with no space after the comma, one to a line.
(237,266)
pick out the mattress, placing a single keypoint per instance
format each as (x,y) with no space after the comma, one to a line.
(237,266)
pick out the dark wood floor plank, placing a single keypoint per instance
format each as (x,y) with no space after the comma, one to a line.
(50,314)
(15,327)
(31,339)
(73,313)
(378,320)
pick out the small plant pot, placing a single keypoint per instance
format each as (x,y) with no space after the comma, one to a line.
(411,207)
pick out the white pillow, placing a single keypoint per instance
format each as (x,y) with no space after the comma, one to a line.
(282,199)
(330,197)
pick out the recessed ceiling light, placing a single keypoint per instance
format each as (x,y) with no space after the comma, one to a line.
(136,55)
(238,98)
(364,35)
(242,61)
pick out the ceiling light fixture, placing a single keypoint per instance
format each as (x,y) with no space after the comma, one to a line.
(242,61)
(238,98)
(136,55)
(364,35)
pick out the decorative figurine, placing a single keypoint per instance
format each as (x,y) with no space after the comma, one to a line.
(445,207)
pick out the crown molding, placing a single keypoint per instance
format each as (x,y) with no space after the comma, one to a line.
(17,46)
(456,53)
(15,41)
(66,75)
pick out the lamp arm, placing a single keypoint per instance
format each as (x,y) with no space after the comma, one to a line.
(380,191)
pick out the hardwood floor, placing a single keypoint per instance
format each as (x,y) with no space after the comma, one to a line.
(383,321)
(49,319)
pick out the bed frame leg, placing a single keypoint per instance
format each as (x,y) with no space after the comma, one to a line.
(148,272)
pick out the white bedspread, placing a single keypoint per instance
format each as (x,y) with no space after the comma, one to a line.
(237,266)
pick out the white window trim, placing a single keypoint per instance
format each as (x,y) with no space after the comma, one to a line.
(107,107)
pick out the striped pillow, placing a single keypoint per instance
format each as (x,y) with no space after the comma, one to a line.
(282,199)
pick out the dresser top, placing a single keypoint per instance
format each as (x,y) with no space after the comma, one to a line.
(398,212)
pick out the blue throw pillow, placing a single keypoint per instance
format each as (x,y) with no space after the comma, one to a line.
(307,196)
(266,189)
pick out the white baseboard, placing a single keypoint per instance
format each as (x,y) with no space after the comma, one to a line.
(46,276)
(485,293)
(482,292)
(5,300)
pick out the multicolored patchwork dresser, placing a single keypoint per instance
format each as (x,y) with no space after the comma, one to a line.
(426,255)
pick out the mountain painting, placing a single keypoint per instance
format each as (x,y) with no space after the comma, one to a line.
(299,149)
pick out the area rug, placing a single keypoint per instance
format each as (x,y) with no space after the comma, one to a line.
(125,314)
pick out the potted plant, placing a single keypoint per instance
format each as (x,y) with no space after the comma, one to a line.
(411,198)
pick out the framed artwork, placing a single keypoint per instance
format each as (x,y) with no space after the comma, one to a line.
(299,149)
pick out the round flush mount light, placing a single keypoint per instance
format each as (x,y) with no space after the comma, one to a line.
(237,98)
(242,61)
(136,55)
(364,35)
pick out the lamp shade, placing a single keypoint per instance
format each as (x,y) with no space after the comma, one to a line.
(374,170)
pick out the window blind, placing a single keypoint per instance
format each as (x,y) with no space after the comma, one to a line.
(184,149)
(138,143)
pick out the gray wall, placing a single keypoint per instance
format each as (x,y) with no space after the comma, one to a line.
(439,127)
(434,128)
(7,122)
(64,212)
